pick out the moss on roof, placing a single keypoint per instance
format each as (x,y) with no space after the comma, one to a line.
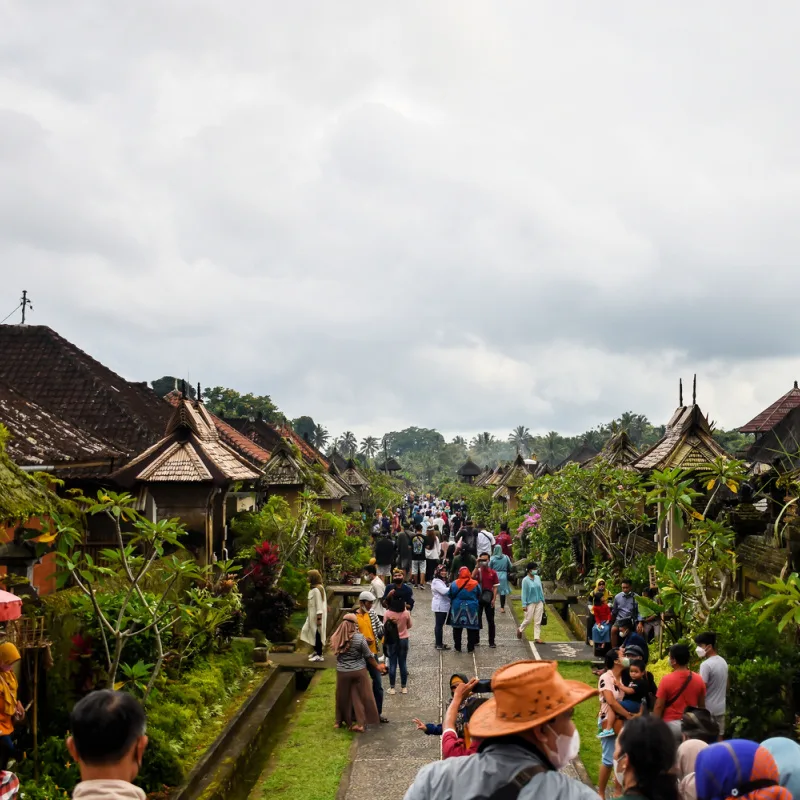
(21,496)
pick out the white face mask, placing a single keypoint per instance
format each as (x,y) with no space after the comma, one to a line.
(567,748)
(701,653)
(619,774)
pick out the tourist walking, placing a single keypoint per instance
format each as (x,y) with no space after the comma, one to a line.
(371,629)
(402,546)
(644,758)
(384,556)
(398,592)
(355,702)
(465,596)
(679,690)
(316,624)
(107,741)
(501,564)
(418,557)
(377,587)
(527,736)
(532,602)
(738,768)
(396,624)
(489,583)
(485,541)
(714,672)
(467,539)
(433,552)
(440,604)
(504,540)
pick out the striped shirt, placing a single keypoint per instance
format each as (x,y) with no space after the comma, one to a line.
(355,657)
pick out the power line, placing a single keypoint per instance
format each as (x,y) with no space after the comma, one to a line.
(13,311)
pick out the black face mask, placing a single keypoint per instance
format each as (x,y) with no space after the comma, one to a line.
(398,581)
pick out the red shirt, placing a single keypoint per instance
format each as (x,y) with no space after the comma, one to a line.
(671,685)
(487,578)
(504,540)
(453,747)
(602,613)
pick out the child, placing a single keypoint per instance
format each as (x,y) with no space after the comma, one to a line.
(601,632)
(635,691)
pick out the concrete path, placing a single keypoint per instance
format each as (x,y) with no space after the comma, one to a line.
(386,759)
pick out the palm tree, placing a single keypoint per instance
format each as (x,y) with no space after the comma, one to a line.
(348,443)
(551,441)
(369,446)
(482,441)
(320,437)
(460,440)
(521,438)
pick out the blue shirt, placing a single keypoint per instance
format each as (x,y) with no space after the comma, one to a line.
(532,591)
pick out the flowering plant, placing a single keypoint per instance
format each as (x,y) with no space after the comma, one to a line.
(264,566)
(532,520)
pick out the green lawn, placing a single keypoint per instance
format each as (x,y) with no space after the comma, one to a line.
(555,630)
(585,716)
(309,762)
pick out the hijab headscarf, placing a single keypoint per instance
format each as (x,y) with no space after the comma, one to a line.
(340,641)
(465,580)
(441,572)
(498,560)
(597,589)
(8,680)
(685,764)
(787,758)
(741,766)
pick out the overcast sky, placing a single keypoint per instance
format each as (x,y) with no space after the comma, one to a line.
(459,215)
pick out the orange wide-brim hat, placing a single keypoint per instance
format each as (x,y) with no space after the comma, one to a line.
(525,695)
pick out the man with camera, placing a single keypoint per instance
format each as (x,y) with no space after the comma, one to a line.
(527,736)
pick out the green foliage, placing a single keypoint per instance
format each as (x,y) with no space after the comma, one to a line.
(304,427)
(294,581)
(229,403)
(782,603)
(758,698)
(273,522)
(163,386)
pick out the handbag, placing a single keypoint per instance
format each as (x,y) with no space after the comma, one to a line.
(544,617)
(487,596)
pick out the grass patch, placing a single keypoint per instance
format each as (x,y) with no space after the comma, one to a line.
(304,769)
(585,715)
(555,631)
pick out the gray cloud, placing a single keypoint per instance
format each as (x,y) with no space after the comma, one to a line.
(452,215)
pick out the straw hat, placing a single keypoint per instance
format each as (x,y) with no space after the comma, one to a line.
(526,694)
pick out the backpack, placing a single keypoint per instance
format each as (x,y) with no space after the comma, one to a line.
(469,543)
(391,633)
(418,545)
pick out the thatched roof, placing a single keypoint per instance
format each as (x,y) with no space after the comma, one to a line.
(469,469)
(21,497)
(617,451)
(582,453)
(779,447)
(283,469)
(687,443)
(391,465)
(773,414)
(513,479)
(352,474)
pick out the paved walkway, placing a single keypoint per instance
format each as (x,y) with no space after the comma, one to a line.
(386,759)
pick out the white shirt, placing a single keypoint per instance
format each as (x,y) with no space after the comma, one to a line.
(378,588)
(441,597)
(435,551)
(485,542)
(439,523)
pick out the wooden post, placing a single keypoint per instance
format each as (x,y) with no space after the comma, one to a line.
(36,641)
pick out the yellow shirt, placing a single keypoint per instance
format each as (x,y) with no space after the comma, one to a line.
(365,626)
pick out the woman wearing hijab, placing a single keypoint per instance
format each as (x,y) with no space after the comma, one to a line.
(685,766)
(11,707)
(316,623)
(738,768)
(787,758)
(501,564)
(643,759)
(353,684)
(465,595)
(440,604)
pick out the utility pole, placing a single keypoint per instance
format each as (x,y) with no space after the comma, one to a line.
(385,457)
(25,304)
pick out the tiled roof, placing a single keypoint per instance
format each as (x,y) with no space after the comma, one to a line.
(772,415)
(191,451)
(240,442)
(40,437)
(58,376)
(687,443)
(310,453)
(780,446)
(257,431)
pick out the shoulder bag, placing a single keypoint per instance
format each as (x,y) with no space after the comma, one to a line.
(679,692)
(511,790)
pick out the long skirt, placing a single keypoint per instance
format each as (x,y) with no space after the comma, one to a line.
(354,694)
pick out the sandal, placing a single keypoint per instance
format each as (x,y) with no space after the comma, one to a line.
(357,728)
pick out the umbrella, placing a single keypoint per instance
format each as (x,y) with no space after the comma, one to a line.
(10,606)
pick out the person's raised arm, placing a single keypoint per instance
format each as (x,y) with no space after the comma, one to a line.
(461,693)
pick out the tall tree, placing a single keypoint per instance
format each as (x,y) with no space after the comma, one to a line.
(229,403)
(304,426)
(521,438)
(460,440)
(551,449)
(320,437)
(369,446)
(348,443)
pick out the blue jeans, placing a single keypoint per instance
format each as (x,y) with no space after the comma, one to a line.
(438,631)
(398,653)
(634,706)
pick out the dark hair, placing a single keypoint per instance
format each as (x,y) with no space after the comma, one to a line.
(105,725)
(679,653)
(651,591)
(469,523)
(598,599)
(503,527)
(418,526)
(625,623)
(371,569)
(639,664)
(650,746)
(709,638)
(626,580)
(611,657)
(698,723)
(531,565)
